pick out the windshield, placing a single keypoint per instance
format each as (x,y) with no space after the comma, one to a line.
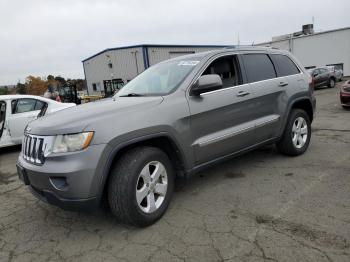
(160,79)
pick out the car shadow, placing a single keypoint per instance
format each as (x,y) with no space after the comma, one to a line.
(10,149)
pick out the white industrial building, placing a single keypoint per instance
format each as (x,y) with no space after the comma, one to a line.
(317,49)
(110,69)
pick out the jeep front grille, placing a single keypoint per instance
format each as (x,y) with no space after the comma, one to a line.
(33,148)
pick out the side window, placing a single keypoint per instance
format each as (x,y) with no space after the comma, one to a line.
(259,67)
(227,68)
(24,105)
(323,70)
(39,105)
(284,65)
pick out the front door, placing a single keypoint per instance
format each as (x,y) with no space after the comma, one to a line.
(325,76)
(23,112)
(221,120)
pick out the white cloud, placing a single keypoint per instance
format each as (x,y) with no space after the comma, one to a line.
(42,37)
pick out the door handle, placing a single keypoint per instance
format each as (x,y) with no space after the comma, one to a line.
(242,93)
(283,84)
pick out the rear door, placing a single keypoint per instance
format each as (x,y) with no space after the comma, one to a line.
(221,120)
(267,94)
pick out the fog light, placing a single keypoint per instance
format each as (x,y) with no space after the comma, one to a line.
(59,183)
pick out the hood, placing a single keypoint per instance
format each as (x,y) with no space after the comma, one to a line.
(75,119)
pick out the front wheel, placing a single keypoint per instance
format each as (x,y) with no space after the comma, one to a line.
(331,83)
(297,134)
(141,186)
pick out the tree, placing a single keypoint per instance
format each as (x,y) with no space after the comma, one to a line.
(80,83)
(4,90)
(21,88)
(61,81)
(50,78)
(35,85)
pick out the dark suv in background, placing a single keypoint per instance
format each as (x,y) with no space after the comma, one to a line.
(322,76)
(177,117)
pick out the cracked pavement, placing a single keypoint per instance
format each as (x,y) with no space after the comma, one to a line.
(259,207)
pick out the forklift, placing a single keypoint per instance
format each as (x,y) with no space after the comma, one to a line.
(68,93)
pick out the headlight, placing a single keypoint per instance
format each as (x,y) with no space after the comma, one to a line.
(71,142)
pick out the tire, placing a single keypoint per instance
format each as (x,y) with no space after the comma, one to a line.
(331,83)
(287,145)
(131,177)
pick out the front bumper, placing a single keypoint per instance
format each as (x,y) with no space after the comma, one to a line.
(71,181)
(345,98)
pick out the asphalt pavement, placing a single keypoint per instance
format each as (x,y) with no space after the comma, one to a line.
(262,206)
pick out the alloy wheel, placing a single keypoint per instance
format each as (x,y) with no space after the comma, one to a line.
(151,187)
(299,132)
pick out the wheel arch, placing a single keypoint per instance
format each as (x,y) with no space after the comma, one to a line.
(304,104)
(163,141)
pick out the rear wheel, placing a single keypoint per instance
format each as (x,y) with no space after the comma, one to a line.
(331,83)
(141,186)
(297,134)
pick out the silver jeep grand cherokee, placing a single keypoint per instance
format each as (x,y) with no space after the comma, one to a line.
(177,117)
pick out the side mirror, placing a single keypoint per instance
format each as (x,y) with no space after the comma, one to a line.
(206,83)
(315,74)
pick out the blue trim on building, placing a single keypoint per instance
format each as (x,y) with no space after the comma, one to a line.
(87,87)
(144,57)
(147,58)
(146,46)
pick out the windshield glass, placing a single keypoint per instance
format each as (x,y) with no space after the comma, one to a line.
(160,79)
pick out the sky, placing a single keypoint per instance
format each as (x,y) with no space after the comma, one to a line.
(42,37)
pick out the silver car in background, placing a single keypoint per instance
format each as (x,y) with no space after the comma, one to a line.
(338,72)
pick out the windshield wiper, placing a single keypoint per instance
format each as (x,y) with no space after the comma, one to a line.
(132,94)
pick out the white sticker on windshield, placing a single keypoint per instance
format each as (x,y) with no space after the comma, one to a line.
(188,63)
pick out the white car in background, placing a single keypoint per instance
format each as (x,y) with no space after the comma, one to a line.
(16,111)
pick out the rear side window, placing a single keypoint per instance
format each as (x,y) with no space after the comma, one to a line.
(259,67)
(284,65)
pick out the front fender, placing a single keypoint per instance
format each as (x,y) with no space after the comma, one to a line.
(120,142)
